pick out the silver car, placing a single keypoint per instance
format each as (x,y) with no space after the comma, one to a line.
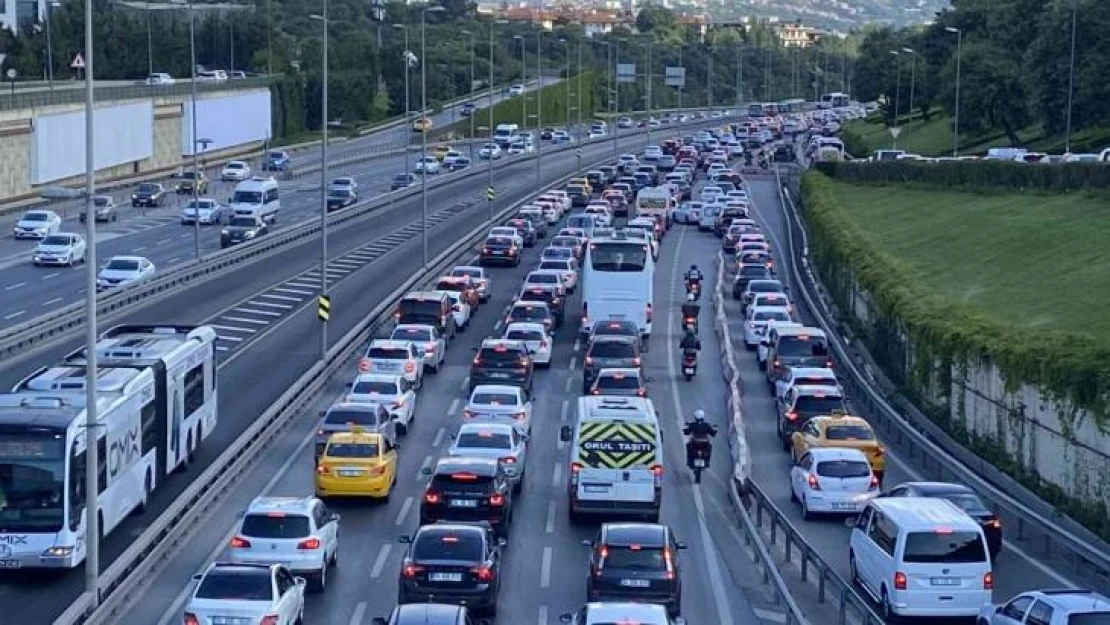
(208,210)
(499,403)
(344,415)
(494,440)
(296,532)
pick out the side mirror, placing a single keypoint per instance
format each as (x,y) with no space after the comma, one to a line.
(680,545)
(501,542)
(566,617)
(349,384)
(379,620)
(405,539)
(587,543)
(334,518)
(198,577)
(564,433)
(426,471)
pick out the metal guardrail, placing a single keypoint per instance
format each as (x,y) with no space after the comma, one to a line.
(1086,558)
(133,568)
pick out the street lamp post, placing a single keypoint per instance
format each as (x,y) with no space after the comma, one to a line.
(193,114)
(616,89)
(406,58)
(580,71)
(709,78)
(897,96)
(424,131)
(913,76)
(681,85)
(740,71)
(149,42)
(49,46)
(956,125)
(539,93)
(1071,78)
(523,80)
(324,286)
(471,35)
(647,78)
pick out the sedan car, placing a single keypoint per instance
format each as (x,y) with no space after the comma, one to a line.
(965,499)
(477,275)
(500,403)
(535,312)
(122,271)
(490,151)
(191,180)
(343,182)
(635,562)
(841,432)
(620,382)
(356,464)
(393,392)
(427,340)
(341,197)
(608,612)
(62,248)
(494,440)
(567,270)
(345,416)
(241,229)
(807,376)
(235,171)
(402,181)
(255,593)
(468,490)
(427,164)
(37,224)
(395,357)
(149,194)
(756,320)
(104,208)
(209,211)
(456,563)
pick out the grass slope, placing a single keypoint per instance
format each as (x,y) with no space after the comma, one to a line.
(1035,261)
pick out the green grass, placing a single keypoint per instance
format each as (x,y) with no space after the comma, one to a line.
(513,110)
(934,138)
(1034,261)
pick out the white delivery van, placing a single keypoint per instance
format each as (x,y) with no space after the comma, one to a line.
(616,457)
(504,134)
(919,556)
(654,201)
(257,197)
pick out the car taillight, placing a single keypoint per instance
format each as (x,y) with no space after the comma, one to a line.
(589,361)
(900,580)
(828,364)
(636,361)
(410,367)
(376,471)
(874,483)
(191,619)
(411,570)
(657,471)
(239,542)
(988,580)
(364,365)
(994,523)
(595,391)
(320,432)
(269,619)
(429,349)
(792,416)
(309,544)
(477,361)
(497,500)
(641,392)
(508,460)
(668,559)
(519,415)
(400,403)
(485,250)
(483,573)
(431,497)
(543,344)
(811,481)
(322,470)
(468,414)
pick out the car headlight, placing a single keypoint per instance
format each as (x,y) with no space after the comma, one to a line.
(134,197)
(249,234)
(224,233)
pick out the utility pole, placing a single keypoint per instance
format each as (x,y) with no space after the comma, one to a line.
(539,93)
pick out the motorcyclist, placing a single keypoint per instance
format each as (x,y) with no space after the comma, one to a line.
(699,432)
(693,274)
(690,342)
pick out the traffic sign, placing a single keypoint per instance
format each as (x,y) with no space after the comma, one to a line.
(895,131)
(323,307)
(490,194)
(78,62)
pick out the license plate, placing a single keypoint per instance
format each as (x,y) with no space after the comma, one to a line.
(10,564)
(843,506)
(688,371)
(496,252)
(499,375)
(350,472)
(944,581)
(596,489)
(445,577)
(464,503)
(635,583)
(699,463)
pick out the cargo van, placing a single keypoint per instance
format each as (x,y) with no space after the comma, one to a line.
(257,197)
(504,134)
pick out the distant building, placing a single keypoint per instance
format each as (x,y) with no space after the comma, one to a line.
(798,36)
(21,15)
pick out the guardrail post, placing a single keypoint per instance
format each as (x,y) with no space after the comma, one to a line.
(844,607)
(805,564)
(774,532)
(822,580)
(786,544)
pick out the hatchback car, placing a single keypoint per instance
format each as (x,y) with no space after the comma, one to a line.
(536,337)
(565,268)
(1064,606)
(609,352)
(620,383)
(124,270)
(243,229)
(498,403)
(37,224)
(635,562)
(468,490)
(63,248)
(452,562)
(756,320)
(832,480)
(389,390)
(502,441)
(394,357)
(498,361)
(553,296)
(299,533)
(534,312)
(617,327)
(230,593)
(149,194)
(426,613)
(806,376)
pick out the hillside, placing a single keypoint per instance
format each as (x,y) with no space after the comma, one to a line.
(838,15)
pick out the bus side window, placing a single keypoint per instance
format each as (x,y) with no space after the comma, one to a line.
(76,486)
(194,389)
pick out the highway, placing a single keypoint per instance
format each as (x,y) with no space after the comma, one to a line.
(264,317)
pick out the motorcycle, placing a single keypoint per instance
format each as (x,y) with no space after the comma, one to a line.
(693,290)
(699,452)
(690,316)
(689,364)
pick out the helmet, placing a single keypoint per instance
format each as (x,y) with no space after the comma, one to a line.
(699,415)
(693,267)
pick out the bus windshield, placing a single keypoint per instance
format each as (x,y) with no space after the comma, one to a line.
(247,197)
(621,257)
(32,482)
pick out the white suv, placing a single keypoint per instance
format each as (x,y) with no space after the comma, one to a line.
(297,532)
(1048,607)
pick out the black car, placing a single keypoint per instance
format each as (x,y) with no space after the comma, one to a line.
(276,161)
(241,229)
(191,178)
(402,181)
(609,352)
(526,231)
(499,361)
(452,562)
(747,273)
(965,499)
(578,195)
(341,198)
(551,295)
(467,490)
(498,249)
(635,562)
(617,327)
(468,109)
(149,194)
(547,134)
(426,614)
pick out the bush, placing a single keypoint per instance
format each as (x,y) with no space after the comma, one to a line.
(855,144)
(975,175)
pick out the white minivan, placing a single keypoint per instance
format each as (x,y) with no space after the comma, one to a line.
(919,556)
(257,197)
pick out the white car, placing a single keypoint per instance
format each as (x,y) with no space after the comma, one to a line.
(294,532)
(506,231)
(159,78)
(37,224)
(62,248)
(807,376)
(832,480)
(235,171)
(427,164)
(490,151)
(452,157)
(251,592)
(394,357)
(710,194)
(563,197)
(595,133)
(601,214)
(535,336)
(210,212)
(620,382)
(124,270)
(566,268)
(393,392)
(544,277)
(761,351)
(755,324)
(477,275)
(499,403)
(344,182)
(606,612)
(460,310)
(427,340)
(493,440)
(521,147)
(516,89)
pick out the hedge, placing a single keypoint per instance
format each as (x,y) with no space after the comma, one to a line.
(975,175)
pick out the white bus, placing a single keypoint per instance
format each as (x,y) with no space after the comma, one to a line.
(617,279)
(156,389)
(834,100)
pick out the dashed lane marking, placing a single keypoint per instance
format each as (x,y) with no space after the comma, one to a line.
(252,311)
(245,320)
(233,339)
(379,562)
(51,302)
(295,291)
(405,507)
(233,328)
(15,286)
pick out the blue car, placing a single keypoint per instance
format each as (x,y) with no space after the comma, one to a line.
(276,161)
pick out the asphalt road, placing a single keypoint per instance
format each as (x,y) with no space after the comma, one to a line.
(256,331)
(1019,567)
(545,565)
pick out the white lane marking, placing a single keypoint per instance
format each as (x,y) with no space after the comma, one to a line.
(545,568)
(221,348)
(184,236)
(465,383)
(566,386)
(543,616)
(497,326)
(233,339)
(14,286)
(296,291)
(346,264)
(173,260)
(233,328)
(454,407)
(281,297)
(245,320)
(550,527)
(255,311)
(405,507)
(18,313)
(573,362)
(50,276)
(163,241)
(564,410)
(770,615)
(577,345)
(379,562)
(141,248)
(255,302)
(557,475)
(440,433)
(360,613)
(303,285)
(423,465)
(52,301)
(716,579)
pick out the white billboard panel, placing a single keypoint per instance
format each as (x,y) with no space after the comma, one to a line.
(123,133)
(626,72)
(228,120)
(675,77)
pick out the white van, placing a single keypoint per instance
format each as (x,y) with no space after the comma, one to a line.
(257,197)
(708,219)
(616,457)
(504,134)
(920,556)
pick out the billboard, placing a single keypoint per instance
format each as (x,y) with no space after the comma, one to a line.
(626,72)
(228,120)
(123,133)
(675,77)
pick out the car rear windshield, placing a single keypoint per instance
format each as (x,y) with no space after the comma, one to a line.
(148,188)
(968,502)
(802,345)
(412,334)
(368,387)
(352,450)
(771,315)
(388,353)
(622,382)
(557,252)
(468,483)
(543,278)
(524,335)
(849,433)
(488,398)
(947,547)
(473,273)
(764,287)
(236,586)
(420,308)
(275,525)
(752,271)
(465,546)
(528,312)
(812,404)
(843,468)
(501,356)
(816,381)
(499,242)
(353,417)
(554,265)
(1089,618)
(641,558)
(484,439)
(612,349)
(123,265)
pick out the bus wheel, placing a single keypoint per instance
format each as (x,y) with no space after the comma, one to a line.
(141,508)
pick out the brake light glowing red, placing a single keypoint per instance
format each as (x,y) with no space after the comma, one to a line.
(191,619)
(240,543)
(900,580)
(874,483)
(411,570)
(497,500)
(483,573)
(792,416)
(988,580)
(508,460)
(432,498)
(811,481)
(322,470)
(309,544)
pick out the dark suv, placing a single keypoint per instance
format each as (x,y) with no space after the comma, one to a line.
(747,273)
(609,352)
(452,563)
(501,362)
(526,231)
(499,249)
(467,490)
(550,295)
(617,327)
(635,562)
(242,229)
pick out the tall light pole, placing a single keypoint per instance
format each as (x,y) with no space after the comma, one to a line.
(324,287)
(193,114)
(767,77)
(580,72)
(1071,77)
(740,70)
(956,125)
(523,80)
(489,109)
(471,35)
(406,58)
(92,507)
(149,42)
(617,87)
(681,85)
(709,78)
(424,131)
(913,76)
(566,52)
(897,96)
(539,92)
(648,77)
(49,46)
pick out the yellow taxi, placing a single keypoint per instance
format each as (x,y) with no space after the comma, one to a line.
(841,431)
(421,124)
(441,151)
(581,181)
(356,464)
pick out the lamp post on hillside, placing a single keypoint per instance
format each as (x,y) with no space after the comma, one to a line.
(956,125)
(897,97)
(424,130)
(1071,78)
(406,58)
(471,35)
(913,76)
(324,286)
